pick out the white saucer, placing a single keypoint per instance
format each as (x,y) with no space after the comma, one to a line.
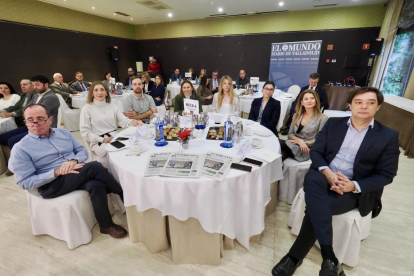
(263,132)
(144,148)
(258,147)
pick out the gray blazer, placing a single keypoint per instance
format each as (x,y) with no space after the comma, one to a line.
(76,86)
(51,102)
(308,133)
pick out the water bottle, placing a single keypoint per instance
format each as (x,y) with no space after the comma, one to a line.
(179,81)
(228,133)
(159,130)
(196,79)
(119,89)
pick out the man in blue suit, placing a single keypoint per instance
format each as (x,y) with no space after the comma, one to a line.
(352,160)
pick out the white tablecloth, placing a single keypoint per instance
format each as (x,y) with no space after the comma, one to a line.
(234,207)
(7,124)
(285,103)
(400,102)
(80,101)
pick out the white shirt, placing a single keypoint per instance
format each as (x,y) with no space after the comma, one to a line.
(226,107)
(100,117)
(10,102)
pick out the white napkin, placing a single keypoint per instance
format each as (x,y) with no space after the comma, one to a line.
(266,154)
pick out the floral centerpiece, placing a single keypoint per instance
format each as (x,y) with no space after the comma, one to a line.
(184,137)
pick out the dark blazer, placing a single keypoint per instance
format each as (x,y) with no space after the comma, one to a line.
(76,86)
(322,96)
(51,102)
(64,92)
(174,77)
(126,82)
(270,116)
(150,85)
(18,107)
(158,92)
(375,164)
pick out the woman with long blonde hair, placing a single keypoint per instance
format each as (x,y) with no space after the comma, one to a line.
(226,101)
(306,124)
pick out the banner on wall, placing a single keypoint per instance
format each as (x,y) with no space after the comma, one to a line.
(292,62)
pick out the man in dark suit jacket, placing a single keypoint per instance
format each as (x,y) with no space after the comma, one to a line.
(79,85)
(62,88)
(352,160)
(214,82)
(313,85)
(127,81)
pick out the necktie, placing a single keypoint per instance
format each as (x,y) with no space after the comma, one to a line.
(82,86)
(63,87)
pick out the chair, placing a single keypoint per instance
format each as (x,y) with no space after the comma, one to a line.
(349,229)
(161,110)
(294,90)
(69,217)
(168,103)
(71,117)
(293,176)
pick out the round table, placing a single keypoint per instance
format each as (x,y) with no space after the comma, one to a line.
(233,207)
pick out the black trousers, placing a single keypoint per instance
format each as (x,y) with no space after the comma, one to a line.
(94,179)
(321,205)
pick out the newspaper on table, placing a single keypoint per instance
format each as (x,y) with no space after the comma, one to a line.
(155,163)
(217,166)
(191,105)
(184,165)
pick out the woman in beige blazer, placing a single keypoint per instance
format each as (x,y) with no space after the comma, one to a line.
(306,124)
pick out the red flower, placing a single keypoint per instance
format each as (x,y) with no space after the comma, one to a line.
(183,135)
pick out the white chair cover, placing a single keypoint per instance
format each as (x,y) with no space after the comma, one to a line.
(293,176)
(69,217)
(161,109)
(349,230)
(294,90)
(71,117)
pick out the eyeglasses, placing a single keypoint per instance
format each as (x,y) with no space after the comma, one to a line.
(269,89)
(130,71)
(38,122)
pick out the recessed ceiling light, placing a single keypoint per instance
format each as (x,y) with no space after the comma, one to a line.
(169,14)
(114,13)
(220,9)
(93,8)
(132,19)
(281,4)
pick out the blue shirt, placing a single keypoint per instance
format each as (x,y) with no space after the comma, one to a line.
(344,159)
(34,159)
(175,77)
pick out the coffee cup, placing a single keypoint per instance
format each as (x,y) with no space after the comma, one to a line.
(257,142)
(248,130)
(217,118)
(136,147)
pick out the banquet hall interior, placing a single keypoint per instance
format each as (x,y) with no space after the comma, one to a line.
(361,43)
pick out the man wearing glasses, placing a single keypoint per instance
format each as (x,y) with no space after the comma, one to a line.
(58,169)
(127,82)
(215,82)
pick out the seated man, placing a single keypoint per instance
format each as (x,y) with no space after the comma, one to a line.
(51,160)
(44,96)
(176,75)
(79,85)
(214,82)
(242,81)
(352,160)
(59,87)
(138,105)
(127,81)
(313,85)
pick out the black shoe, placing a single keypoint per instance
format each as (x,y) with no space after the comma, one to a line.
(329,268)
(286,267)
(285,131)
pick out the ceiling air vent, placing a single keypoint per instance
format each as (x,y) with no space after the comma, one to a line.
(121,13)
(327,5)
(222,15)
(155,5)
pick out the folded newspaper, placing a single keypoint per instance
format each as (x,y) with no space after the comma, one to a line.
(217,166)
(156,163)
(184,165)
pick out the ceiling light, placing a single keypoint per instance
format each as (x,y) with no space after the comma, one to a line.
(93,8)
(281,4)
(169,14)
(114,13)
(220,9)
(132,18)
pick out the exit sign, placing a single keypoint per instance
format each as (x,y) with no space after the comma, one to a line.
(365,46)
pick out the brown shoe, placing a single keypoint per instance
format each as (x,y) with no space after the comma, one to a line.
(116,231)
(9,173)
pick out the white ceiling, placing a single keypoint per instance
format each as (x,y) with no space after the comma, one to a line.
(194,9)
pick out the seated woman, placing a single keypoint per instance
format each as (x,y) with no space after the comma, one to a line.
(106,82)
(226,101)
(266,110)
(306,124)
(193,76)
(203,72)
(146,82)
(158,90)
(99,121)
(186,92)
(204,91)
(8,96)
